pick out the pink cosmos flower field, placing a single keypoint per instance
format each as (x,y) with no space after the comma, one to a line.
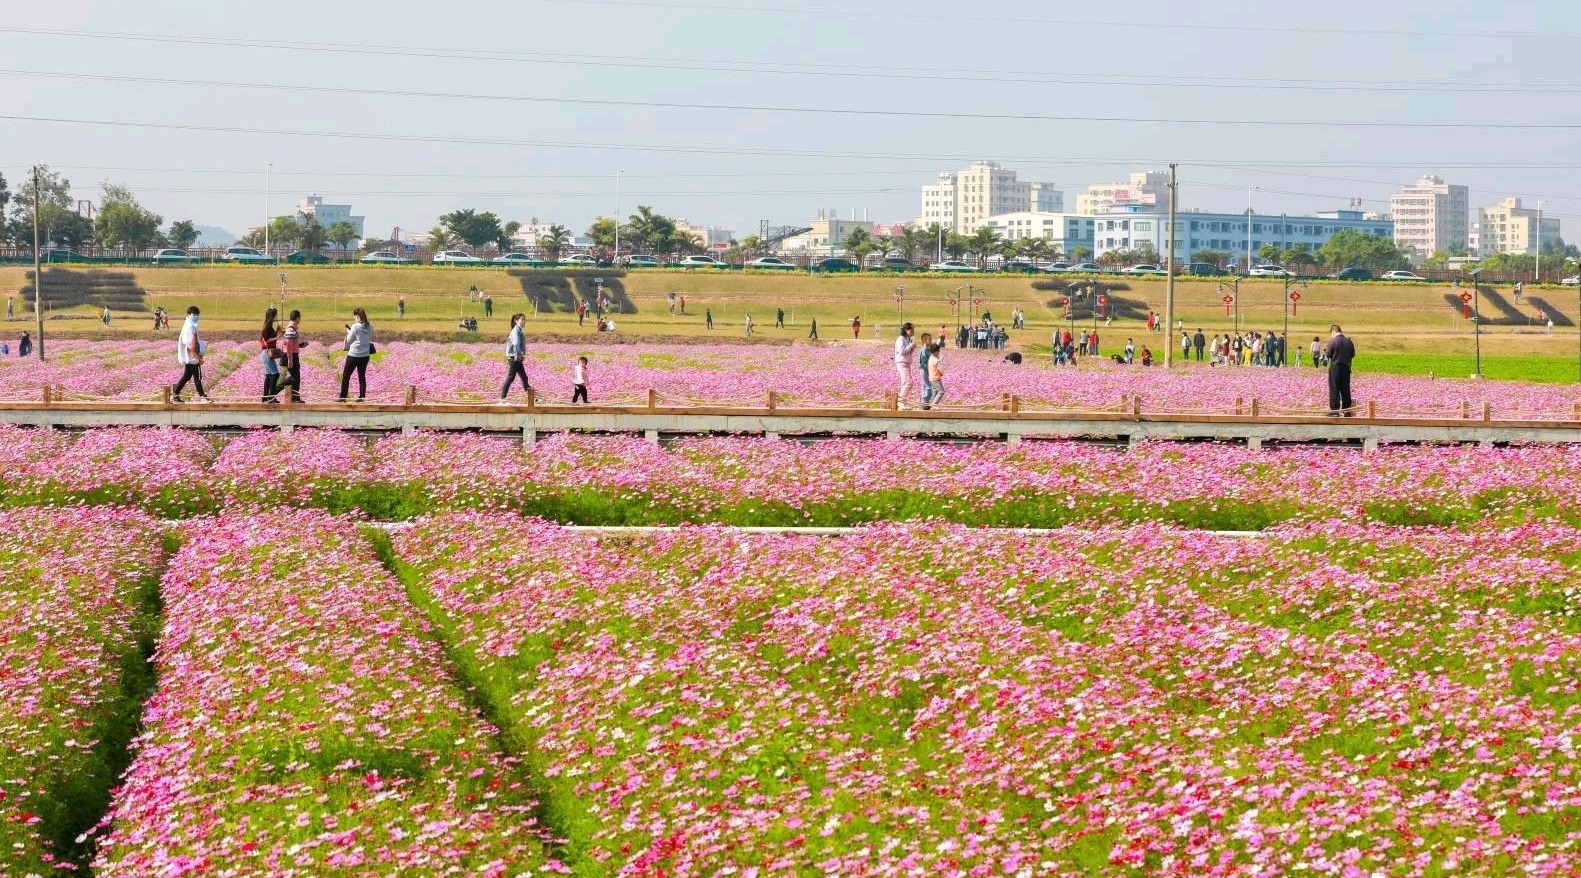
(804,374)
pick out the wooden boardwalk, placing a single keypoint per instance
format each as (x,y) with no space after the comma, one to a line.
(1127,423)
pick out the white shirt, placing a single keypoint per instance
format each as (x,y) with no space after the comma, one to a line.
(187,341)
(579,374)
(903,348)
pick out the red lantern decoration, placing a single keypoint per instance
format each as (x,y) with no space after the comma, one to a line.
(1228,302)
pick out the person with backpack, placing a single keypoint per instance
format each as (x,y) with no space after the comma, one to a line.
(516,356)
(189,354)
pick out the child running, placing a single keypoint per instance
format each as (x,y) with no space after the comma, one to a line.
(935,375)
(579,381)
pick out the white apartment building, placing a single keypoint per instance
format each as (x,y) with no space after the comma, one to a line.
(709,235)
(1431,215)
(963,201)
(1146,190)
(329,214)
(1507,227)
(825,235)
(1066,231)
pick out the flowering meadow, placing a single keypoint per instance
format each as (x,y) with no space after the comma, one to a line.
(840,374)
(578,479)
(1328,700)
(305,724)
(76,600)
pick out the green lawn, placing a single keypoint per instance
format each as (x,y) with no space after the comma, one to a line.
(1534,367)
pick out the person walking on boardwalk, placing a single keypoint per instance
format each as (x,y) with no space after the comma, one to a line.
(579,381)
(269,355)
(935,375)
(189,353)
(359,349)
(926,348)
(291,348)
(516,356)
(1341,352)
(904,348)
(24,345)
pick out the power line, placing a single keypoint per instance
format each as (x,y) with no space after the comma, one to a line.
(819,111)
(780,69)
(826,12)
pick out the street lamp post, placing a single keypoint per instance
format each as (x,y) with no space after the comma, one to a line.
(1236,285)
(1476,319)
(900,302)
(1284,340)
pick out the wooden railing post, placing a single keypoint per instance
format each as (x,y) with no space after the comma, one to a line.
(653,398)
(1487,410)
(1136,407)
(411,395)
(1004,402)
(774,399)
(1255,407)
(1465,410)
(164,394)
(1577,414)
(892,401)
(1238,402)
(532,398)
(1372,410)
(1015,404)
(48,395)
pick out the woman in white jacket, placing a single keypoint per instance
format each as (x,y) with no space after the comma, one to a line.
(516,356)
(359,349)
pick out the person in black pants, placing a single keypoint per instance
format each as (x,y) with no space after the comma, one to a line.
(359,348)
(1341,351)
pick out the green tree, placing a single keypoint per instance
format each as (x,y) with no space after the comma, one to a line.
(647,230)
(684,243)
(472,227)
(1037,250)
(1081,253)
(123,223)
(1351,248)
(58,223)
(956,245)
(440,238)
(883,245)
(284,232)
(182,235)
(310,233)
(554,242)
(341,234)
(750,247)
(1215,258)
(1269,253)
(602,233)
(254,238)
(985,242)
(507,238)
(911,242)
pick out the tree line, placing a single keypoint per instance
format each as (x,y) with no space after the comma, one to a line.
(119,223)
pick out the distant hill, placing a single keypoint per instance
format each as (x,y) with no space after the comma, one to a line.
(214,236)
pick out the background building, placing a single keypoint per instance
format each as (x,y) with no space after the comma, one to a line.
(1129,229)
(1066,231)
(1431,215)
(1146,190)
(963,201)
(1507,227)
(827,231)
(329,214)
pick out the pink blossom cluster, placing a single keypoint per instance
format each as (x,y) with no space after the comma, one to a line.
(121,465)
(1328,700)
(841,374)
(306,723)
(72,599)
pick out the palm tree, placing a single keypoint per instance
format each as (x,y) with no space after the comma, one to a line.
(932,236)
(857,237)
(883,245)
(955,245)
(685,244)
(1111,258)
(910,242)
(985,242)
(1037,249)
(751,247)
(1081,253)
(554,242)
(439,238)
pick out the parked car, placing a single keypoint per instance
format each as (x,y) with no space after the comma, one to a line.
(835,263)
(1353,273)
(1572,280)
(174,256)
(1144,268)
(244,254)
(385,257)
(952,265)
(308,257)
(1057,266)
(580,259)
(642,260)
(1019,267)
(769,263)
(1204,269)
(519,259)
(1402,275)
(896,263)
(456,257)
(1087,268)
(699,260)
(1267,271)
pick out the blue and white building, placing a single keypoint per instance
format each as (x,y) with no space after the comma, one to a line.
(1132,228)
(1066,231)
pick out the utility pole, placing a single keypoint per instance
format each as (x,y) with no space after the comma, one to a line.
(38,273)
(268,184)
(1169,280)
(617,217)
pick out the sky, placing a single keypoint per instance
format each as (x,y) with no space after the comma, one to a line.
(729,112)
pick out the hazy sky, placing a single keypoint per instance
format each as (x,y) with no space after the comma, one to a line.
(1035,66)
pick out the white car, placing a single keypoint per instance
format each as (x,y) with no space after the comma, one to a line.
(952,265)
(1401,275)
(1267,271)
(173,255)
(642,260)
(455,257)
(579,259)
(1143,269)
(244,254)
(518,259)
(769,262)
(1572,280)
(385,257)
(699,261)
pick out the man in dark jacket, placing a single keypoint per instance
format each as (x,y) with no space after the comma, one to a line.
(1200,342)
(1341,351)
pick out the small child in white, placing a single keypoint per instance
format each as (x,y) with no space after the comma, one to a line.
(579,381)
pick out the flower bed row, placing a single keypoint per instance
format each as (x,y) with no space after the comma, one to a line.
(941,701)
(305,724)
(746,481)
(77,611)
